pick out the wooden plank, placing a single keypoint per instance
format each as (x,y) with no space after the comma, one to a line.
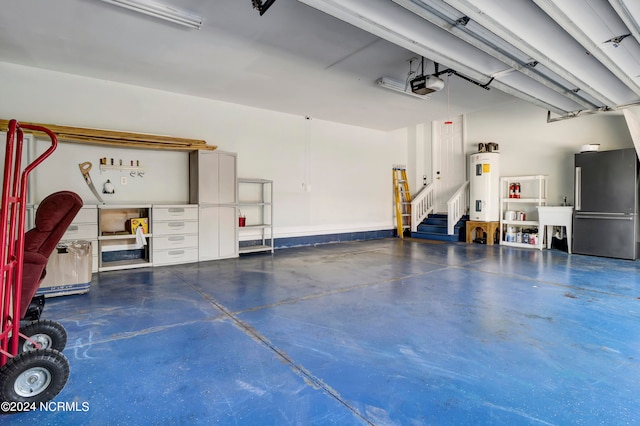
(133,144)
(118,138)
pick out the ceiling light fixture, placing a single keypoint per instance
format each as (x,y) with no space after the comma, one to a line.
(399,86)
(161,11)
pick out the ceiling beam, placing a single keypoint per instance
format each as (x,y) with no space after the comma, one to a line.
(366,17)
(627,17)
(594,49)
(475,13)
(462,32)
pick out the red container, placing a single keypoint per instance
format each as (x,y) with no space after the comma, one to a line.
(242,221)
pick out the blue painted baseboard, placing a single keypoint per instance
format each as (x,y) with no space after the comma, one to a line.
(333,238)
(279,243)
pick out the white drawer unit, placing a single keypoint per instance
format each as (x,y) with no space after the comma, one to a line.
(175,232)
(175,256)
(81,231)
(85,227)
(175,241)
(175,213)
(175,227)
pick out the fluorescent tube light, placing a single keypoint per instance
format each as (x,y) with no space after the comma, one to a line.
(399,86)
(161,11)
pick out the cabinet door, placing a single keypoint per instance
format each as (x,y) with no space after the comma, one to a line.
(208,178)
(227,178)
(227,232)
(208,233)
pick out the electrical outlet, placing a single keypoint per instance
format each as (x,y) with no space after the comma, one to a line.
(123,180)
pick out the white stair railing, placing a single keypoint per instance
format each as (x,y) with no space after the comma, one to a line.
(421,206)
(457,205)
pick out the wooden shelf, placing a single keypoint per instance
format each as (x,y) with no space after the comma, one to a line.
(119,138)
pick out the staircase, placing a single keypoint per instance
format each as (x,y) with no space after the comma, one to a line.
(434,227)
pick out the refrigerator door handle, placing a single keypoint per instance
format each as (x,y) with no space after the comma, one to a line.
(578,194)
(611,216)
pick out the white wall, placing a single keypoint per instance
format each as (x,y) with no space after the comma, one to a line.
(328,177)
(531,146)
(528,144)
(163,181)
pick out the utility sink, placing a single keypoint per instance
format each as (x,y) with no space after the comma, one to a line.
(550,216)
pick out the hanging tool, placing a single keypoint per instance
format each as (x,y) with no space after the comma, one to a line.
(84,169)
(402,200)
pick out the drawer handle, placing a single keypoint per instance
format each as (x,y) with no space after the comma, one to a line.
(176,252)
(177,238)
(72,228)
(176,224)
(176,210)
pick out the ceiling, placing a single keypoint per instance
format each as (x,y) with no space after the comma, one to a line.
(321,58)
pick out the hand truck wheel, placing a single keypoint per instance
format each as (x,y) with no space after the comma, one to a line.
(47,333)
(34,377)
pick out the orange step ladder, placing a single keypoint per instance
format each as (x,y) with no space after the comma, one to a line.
(402,197)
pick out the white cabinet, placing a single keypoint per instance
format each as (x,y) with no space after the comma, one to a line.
(118,245)
(256,207)
(85,228)
(217,232)
(212,178)
(175,234)
(519,225)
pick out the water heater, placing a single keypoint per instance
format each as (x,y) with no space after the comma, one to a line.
(484,187)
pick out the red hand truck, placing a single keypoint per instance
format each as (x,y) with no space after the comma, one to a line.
(27,378)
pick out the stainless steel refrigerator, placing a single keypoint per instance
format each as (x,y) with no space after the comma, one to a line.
(605,221)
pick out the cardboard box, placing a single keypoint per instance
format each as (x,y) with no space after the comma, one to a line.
(68,270)
(133,224)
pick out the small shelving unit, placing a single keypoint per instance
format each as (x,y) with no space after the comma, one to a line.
(256,205)
(533,193)
(117,245)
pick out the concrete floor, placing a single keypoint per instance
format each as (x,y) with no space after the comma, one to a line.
(384,332)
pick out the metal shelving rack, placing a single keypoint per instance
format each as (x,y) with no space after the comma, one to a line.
(534,194)
(255,200)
